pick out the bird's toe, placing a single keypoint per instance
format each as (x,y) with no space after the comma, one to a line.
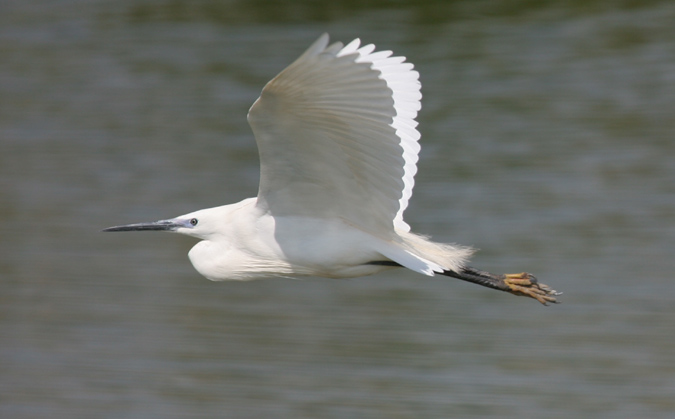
(526,284)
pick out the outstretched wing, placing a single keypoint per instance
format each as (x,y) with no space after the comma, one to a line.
(336,136)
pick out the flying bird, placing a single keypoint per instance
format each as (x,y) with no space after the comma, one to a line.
(338,145)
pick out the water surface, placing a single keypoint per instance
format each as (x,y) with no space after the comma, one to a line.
(547,144)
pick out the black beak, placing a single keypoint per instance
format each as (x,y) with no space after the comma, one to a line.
(162,225)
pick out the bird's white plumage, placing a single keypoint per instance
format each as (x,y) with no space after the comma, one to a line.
(338,146)
(337,139)
(338,153)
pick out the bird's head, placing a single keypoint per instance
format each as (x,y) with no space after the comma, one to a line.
(200,224)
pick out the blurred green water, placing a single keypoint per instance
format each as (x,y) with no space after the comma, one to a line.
(547,143)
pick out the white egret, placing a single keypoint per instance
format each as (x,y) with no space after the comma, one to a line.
(338,151)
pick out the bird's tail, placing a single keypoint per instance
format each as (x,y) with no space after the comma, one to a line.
(422,255)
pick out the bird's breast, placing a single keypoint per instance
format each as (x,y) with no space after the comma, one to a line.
(287,246)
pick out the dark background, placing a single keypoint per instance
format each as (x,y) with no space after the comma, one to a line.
(547,135)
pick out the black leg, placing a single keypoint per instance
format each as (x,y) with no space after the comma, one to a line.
(523,284)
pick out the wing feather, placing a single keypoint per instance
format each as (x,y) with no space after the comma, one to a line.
(337,136)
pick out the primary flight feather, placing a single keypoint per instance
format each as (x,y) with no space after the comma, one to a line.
(338,145)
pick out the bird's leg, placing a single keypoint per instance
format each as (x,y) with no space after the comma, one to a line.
(524,284)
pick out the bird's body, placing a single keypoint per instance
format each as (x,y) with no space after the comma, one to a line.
(315,247)
(292,246)
(338,151)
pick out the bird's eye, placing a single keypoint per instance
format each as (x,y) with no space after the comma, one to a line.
(194,221)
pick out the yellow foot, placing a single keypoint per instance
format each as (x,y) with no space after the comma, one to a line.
(527,285)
